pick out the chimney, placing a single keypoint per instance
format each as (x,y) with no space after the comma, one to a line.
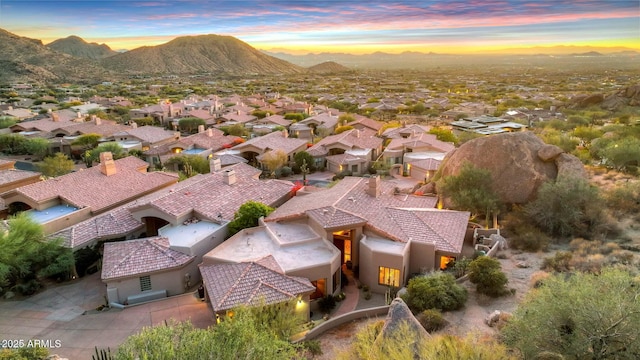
(239,112)
(210,132)
(96,120)
(229,177)
(107,165)
(78,115)
(215,164)
(374,186)
(134,125)
(200,129)
(285,133)
(10,108)
(357,133)
(55,117)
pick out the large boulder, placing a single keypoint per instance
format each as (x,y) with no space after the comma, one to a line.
(399,316)
(519,163)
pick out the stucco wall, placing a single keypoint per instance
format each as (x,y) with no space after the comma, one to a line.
(422,256)
(371,261)
(172,281)
(69,220)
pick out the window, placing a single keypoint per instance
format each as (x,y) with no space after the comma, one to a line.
(354,169)
(320,285)
(336,279)
(389,276)
(145,283)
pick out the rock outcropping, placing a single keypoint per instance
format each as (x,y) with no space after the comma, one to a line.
(400,317)
(519,163)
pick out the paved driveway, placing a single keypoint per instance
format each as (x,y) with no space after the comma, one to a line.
(66,315)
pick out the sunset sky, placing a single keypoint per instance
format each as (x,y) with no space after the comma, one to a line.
(445,26)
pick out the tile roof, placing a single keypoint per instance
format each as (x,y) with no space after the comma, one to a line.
(91,188)
(367,122)
(354,138)
(13,175)
(325,120)
(211,197)
(398,132)
(275,119)
(106,128)
(421,140)
(134,258)
(217,141)
(272,141)
(205,194)
(400,217)
(231,285)
(150,134)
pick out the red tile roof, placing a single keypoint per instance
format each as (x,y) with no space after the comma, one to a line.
(91,188)
(272,141)
(139,257)
(231,285)
(205,194)
(353,139)
(400,217)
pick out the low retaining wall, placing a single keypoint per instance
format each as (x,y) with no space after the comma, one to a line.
(343,319)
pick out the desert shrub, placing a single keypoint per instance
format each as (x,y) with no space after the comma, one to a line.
(285,171)
(486,273)
(327,303)
(531,240)
(432,320)
(313,347)
(538,278)
(560,262)
(568,206)
(459,268)
(342,174)
(624,199)
(434,291)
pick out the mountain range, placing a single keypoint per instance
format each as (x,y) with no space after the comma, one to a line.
(74,60)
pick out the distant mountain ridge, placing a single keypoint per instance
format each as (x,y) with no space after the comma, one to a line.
(76,46)
(25,59)
(202,53)
(328,67)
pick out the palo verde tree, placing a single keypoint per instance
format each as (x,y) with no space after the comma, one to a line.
(471,190)
(568,206)
(57,165)
(582,316)
(247,216)
(27,257)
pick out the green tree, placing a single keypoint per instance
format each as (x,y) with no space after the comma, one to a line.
(302,157)
(235,130)
(434,291)
(196,164)
(87,141)
(7,122)
(247,216)
(24,353)
(568,206)
(113,147)
(12,144)
(444,134)
(190,124)
(294,117)
(38,147)
(27,257)
(486,273)
(582,316)
(471,190)
(261,114)
(57,165)
(344,119)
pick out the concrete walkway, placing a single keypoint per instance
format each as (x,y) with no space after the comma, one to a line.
(352,297)
(67,315)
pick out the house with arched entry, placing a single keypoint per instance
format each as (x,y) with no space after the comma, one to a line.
(361,224)
(179,226)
